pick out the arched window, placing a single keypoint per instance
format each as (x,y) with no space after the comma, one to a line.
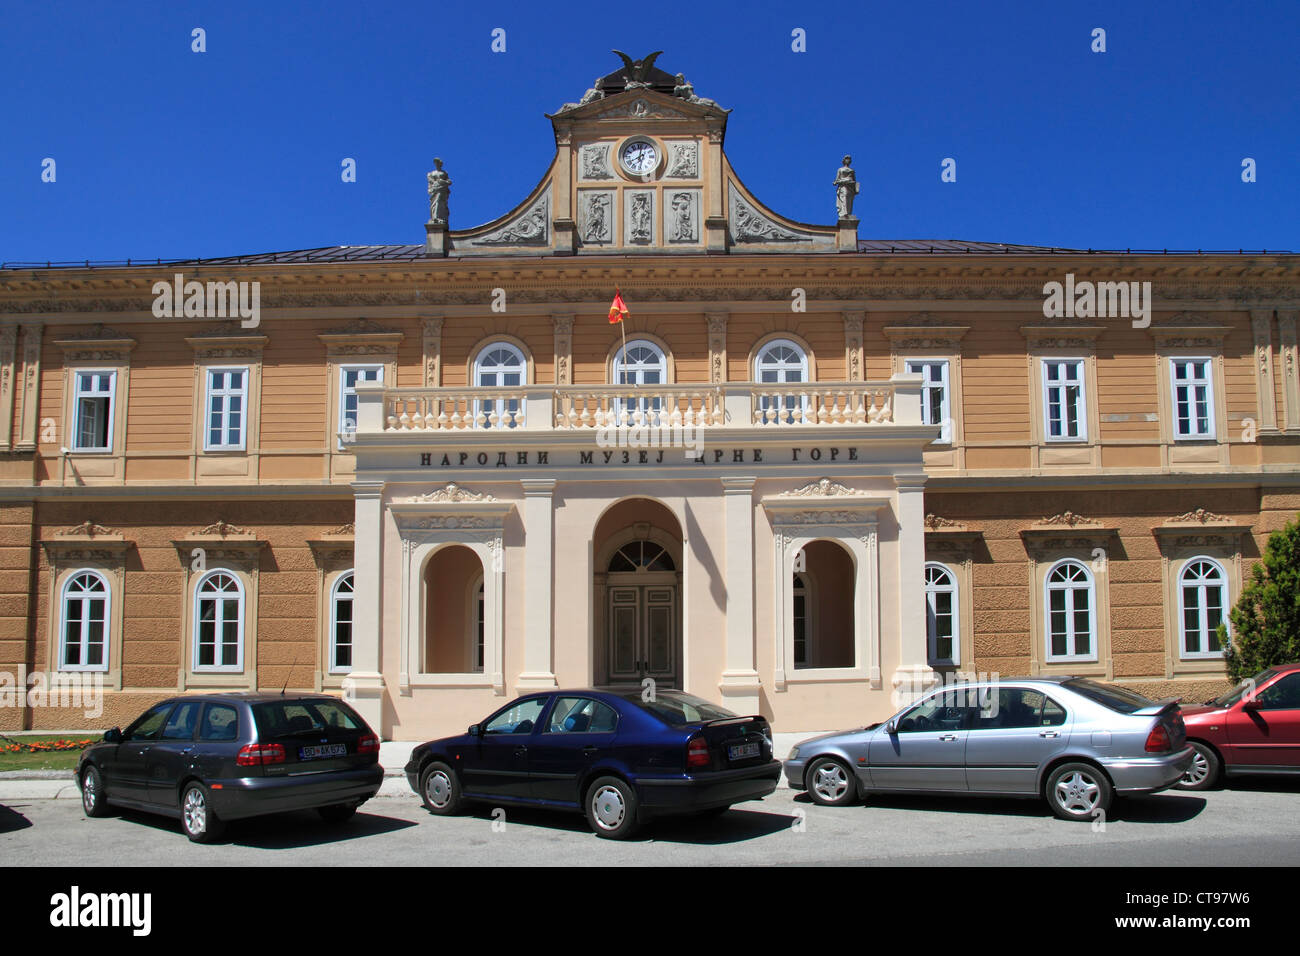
(802,610)
(83,638)
(219,623)
(341,624)
(781,362)
(500,365)
(640,363)
(1071,619)
(1203,597)
(641,556)
(941,615)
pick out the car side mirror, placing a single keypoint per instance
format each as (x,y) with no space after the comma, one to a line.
(113,736)
(473,730)
(891,728)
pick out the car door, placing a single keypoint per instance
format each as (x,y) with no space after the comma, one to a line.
(1266,734)
(128,776)
(171,753)
(927,750)
(577,732)
(496,763)
(1015,731)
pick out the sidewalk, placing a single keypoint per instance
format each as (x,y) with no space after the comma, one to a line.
(393,755)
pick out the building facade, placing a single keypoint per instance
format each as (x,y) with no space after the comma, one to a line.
(807,474)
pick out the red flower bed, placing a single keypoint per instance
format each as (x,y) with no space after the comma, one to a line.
(46,746)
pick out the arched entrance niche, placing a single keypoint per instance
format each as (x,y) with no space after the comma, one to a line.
(637,595)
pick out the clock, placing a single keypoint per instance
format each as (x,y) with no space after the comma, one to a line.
(640,157)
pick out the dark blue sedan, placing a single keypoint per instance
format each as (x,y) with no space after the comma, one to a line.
(620,758)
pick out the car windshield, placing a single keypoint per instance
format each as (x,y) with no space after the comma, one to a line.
(1108,695)
(1234,695)
(677,709)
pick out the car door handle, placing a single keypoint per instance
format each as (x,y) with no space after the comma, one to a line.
(520,751)
(589,749)
(1049,733)
(947,736)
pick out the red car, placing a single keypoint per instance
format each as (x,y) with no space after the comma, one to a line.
(1252,729)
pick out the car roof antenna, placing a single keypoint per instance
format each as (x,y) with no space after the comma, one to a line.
(290,674)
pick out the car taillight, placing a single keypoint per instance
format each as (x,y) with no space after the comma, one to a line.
(368,744)
(1158,740)
(697,753)
(255,755)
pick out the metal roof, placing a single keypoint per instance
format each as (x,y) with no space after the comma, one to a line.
(415,253)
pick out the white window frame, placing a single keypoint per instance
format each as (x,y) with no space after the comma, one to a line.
(1094,637)
(79,393)
(85,598)
(808,630)
(210,392)
(241,606)
(335,599)
(649,407)
(347,391)
(923,367)
(1181,584)
(1081,406)
(796,409)
(500,404)
(931,613)
(1205,380)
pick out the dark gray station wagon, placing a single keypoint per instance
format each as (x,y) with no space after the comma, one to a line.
(211,758)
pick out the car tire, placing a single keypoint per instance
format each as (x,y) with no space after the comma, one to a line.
(93,795)
(1079,792)
(199,821)
(831,783)
(611,808)
(337,812)
(439,789)
(1205,771)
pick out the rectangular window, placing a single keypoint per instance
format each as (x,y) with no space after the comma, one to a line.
(1193,398)
(92,427)
(1063,400)
(350,376)
(934,394)
(227,401)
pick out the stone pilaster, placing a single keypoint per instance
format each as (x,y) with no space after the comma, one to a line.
(717,322)
(740,685)
(432,328)
(562,323)
(539,584)
(854,356)
(364,687)
(1286,328)
(1261,321)
(31,387)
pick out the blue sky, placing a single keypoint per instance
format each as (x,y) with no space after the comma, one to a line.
(164,152)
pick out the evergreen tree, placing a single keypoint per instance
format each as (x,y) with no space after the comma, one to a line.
(1266,620)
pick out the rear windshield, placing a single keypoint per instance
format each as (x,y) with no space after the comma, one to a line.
(680,708)
(287,718)
(1108,695)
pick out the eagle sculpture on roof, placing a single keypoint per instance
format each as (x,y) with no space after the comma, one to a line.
(638,70)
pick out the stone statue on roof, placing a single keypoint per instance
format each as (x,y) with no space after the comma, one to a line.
(439,190)
(846,188)
(637,76)
(686,90)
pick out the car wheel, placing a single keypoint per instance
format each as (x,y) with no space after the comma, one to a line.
(198,819)
(1078,791)
(338,812)
(830,783)
(92,793)
(440,789)
(1204,772)
(611,808)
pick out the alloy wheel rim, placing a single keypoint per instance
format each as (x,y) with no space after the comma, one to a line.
(1198,771)
(830,782)
(88,794)
(196,815)
(1078,793)
(438,789)
(608,808)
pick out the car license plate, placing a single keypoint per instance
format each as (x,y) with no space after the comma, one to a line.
(743,751)
(325,750)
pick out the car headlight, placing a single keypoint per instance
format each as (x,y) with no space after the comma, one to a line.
(794,754)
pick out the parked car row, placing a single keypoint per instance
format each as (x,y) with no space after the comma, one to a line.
(625,758)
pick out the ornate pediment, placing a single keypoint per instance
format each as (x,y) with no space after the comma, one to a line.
(87,529)
(1199,516)
(821,488)
(1069,519)
(222,529)
(453,492)
(98,344)
(530,227)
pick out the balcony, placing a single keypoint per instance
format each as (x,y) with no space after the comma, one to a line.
(578,408)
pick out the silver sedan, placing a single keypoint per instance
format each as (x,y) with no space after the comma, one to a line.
(1071,741)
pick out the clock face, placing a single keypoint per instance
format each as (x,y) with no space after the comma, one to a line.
(639,157)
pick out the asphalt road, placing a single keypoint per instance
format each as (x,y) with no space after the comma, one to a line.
(1251,824)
